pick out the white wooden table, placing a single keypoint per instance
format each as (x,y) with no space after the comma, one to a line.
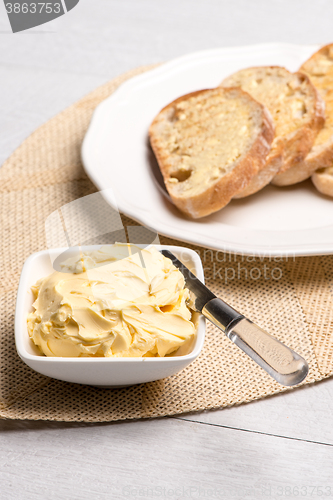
(280,447)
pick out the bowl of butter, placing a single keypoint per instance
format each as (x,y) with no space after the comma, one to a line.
(109,316)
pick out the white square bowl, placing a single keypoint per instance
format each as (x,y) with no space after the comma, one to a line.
(104,372)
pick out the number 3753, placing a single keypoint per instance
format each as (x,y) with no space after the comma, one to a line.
(33,8)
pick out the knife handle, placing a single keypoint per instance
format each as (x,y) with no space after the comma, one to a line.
(280,362)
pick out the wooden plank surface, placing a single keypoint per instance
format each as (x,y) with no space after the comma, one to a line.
(145,458)
(304,413)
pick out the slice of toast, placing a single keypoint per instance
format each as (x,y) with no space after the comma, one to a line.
(320,70)
(323,180)
(209,144)
(297,112)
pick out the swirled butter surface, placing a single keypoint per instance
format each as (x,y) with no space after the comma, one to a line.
(118,301)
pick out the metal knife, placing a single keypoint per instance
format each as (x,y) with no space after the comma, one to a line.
(280,362)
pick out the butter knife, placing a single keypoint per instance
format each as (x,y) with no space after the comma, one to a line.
(280,362)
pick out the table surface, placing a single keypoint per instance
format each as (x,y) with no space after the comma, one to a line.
(279,447)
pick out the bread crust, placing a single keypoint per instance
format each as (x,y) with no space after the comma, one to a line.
(302,170)
(323,181)
(222,191)
(272,165)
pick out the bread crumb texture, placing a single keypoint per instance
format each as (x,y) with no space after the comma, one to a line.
(290,97)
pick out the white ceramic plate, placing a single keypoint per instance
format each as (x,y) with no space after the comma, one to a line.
(105,372)
(276,221)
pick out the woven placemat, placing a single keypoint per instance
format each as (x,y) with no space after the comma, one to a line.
(291,298)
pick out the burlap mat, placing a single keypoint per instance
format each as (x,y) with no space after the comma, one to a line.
(291,298)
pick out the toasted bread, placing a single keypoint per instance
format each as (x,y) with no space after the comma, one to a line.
(319,67)
(209,145)
(297,112)
(323,180)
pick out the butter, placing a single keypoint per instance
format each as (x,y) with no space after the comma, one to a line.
(118,301)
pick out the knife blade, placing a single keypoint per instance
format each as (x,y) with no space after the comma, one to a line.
(282,363)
